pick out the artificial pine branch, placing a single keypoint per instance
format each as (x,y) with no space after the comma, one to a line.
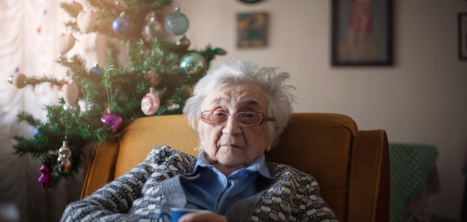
(34,81)
(73,25)
(24,116)
(119,86)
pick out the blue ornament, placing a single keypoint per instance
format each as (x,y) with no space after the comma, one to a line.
(95,70)
(177,23)
(121,25)
(36,133)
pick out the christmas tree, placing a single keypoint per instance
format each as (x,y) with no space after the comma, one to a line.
(158,82)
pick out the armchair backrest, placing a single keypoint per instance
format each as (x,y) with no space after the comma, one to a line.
(351,166)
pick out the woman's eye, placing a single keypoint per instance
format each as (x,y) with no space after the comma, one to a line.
(218,114)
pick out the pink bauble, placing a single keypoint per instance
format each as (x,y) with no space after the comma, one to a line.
(150,103)
(113,121)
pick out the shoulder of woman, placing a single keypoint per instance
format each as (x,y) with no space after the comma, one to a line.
(285,171)
(166,155)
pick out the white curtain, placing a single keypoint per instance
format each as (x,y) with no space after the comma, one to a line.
(29,31)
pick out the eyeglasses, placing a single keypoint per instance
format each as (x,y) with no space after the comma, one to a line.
(216,118)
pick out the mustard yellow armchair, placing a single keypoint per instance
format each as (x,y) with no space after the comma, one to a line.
(351,166)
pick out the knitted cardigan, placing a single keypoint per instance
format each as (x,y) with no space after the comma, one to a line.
(154,186)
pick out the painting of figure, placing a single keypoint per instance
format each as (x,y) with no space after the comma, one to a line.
(361,32)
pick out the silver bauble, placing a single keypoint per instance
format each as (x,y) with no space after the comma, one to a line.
(193,64)
(64,161)
(154,28)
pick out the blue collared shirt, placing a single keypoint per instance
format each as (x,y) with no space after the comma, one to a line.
(209,189)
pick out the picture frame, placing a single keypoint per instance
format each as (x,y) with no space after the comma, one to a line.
(252,30)
(462,26)
(362,33)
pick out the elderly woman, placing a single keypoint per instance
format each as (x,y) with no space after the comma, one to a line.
(239,112)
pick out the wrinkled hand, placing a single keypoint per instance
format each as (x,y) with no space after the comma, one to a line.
(202,216)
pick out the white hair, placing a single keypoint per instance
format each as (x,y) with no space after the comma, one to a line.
(241,72)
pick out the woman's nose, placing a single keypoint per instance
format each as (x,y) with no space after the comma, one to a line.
(231,127)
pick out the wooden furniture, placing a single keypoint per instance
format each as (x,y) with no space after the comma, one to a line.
(351,166)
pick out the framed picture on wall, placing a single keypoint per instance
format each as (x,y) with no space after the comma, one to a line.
(252,30)
(361,33)
(463,36)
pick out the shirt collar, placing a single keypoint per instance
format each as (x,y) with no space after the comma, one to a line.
(258,165)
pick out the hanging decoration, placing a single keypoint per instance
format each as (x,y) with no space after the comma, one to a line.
(153,28)
(36,132)
(121,25)
(10,79)
(177,23)
(67,107)
(46,178)
(86,21)
(17,80)
(64,161)
(193,64)
(154,78)
(183,43)
(118,4)
(150,103)
(95,71)
(111,119)
(66,43)
(70,93)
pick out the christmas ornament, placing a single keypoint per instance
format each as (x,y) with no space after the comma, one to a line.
(177,23)
(36,133)
(153,28)
(96,70)
(121,25)
(193,63)
(119,5)
(155,78)
(183,43)
(66,43)
(10,79)
(64,161)
(46,178)
(150,103)
(75,7)
(67,107)
(86,21)
(113,121)
(17,80)
(70,93)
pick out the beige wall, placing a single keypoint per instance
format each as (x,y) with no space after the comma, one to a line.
(422,98)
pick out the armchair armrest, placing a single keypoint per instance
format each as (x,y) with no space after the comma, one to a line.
(369,177)
(102,167)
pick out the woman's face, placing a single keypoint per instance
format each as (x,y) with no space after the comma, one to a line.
(233,146)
